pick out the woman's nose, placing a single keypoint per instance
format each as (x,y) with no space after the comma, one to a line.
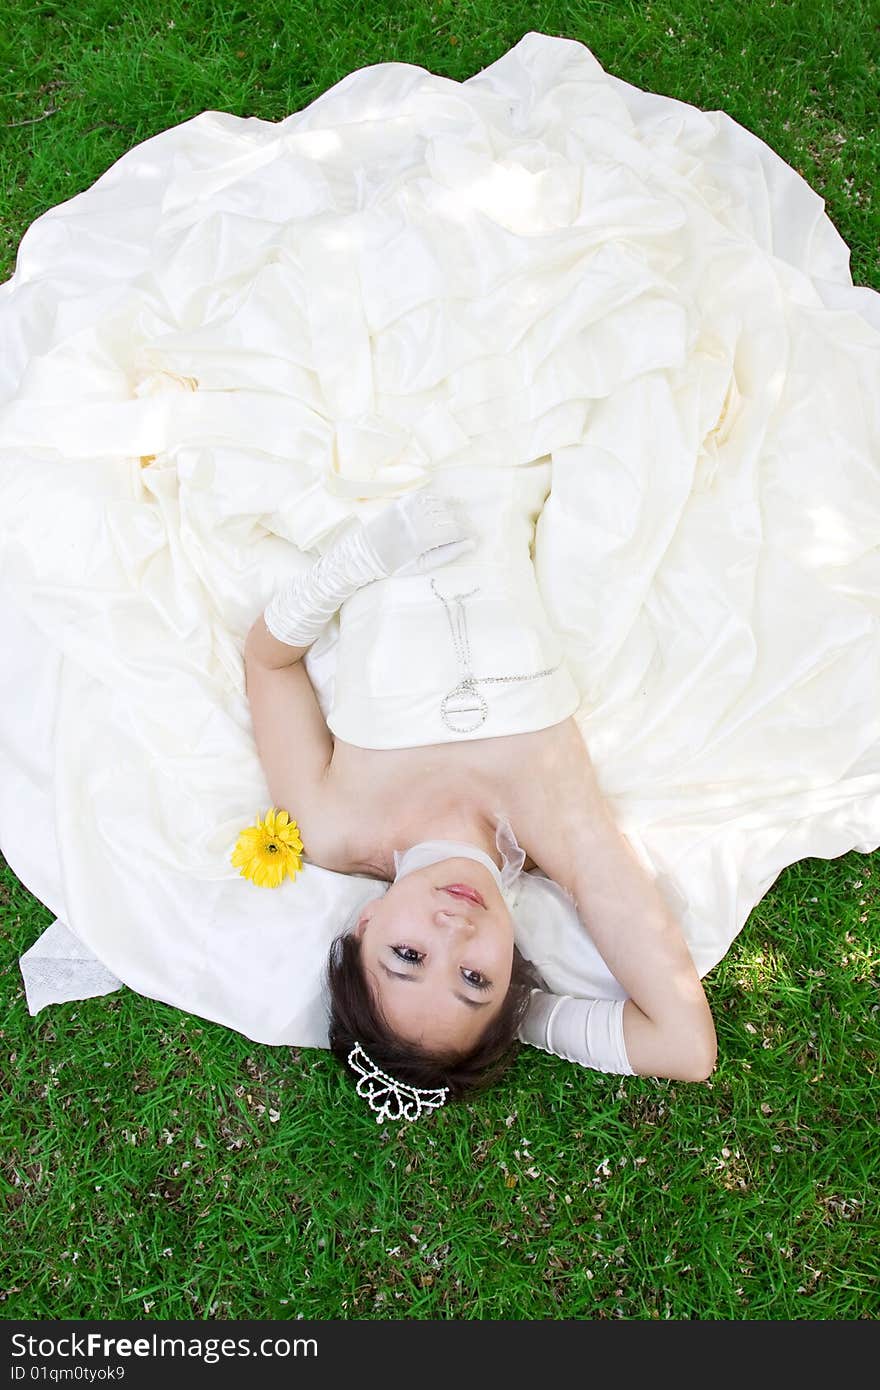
(449,920)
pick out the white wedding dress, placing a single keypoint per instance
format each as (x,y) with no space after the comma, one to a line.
(464,652)
(244,333)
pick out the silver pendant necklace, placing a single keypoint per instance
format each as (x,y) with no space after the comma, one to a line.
(464,708)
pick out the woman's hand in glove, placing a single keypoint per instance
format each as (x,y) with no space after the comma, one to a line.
(419,532)
(416,533)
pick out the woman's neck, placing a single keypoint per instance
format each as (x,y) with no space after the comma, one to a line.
(430,817)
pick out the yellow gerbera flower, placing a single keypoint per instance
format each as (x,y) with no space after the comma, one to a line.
(265,852)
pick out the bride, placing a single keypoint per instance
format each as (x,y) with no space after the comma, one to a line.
(428,991)
(247,333)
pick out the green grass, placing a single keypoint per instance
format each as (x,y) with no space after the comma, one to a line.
(154,1164)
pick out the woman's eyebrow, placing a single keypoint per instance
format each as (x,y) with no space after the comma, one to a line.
(473,1003)
(415,979)
(396,974)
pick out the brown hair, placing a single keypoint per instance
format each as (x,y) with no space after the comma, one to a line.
(356,1017)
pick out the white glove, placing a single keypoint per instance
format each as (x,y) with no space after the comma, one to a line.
(586,1031)
(414,534)
(419,532)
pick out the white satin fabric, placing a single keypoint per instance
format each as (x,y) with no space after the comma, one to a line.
(244,333)
(586,1031)
(402,641)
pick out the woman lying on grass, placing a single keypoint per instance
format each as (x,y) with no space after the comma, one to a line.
(428,991)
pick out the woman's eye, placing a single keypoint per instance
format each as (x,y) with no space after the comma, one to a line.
(480,982)
(409,954)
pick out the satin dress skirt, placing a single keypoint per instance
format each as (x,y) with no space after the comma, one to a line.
(245,332)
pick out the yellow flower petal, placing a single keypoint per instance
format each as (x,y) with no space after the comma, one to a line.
(269,851)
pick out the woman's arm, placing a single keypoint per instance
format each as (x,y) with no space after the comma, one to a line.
(414,534)
(667,1024)
(294,745)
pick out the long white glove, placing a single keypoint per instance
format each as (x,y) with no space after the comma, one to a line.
(414,534)
(587,1031)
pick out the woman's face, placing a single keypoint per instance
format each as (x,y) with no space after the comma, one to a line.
(438,962)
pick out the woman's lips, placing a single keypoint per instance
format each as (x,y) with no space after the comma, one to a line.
(464,890)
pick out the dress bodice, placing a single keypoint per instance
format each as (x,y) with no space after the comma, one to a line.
(467,650)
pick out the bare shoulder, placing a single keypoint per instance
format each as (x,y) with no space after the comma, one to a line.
(543,780)
(555,773)
(558,802)
(327,829)
(338,810)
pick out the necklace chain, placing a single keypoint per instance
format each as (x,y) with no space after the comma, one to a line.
(467,687)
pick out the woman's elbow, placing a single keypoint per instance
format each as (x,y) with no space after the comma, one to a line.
(699,1062)
(691,1049)
(681,1048)
(698,1069)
